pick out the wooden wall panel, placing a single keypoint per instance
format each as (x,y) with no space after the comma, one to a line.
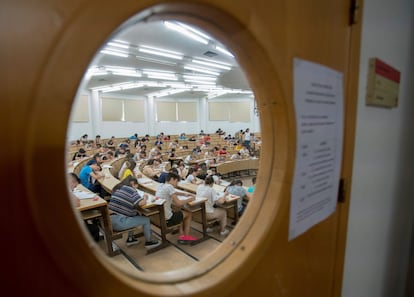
(41,43)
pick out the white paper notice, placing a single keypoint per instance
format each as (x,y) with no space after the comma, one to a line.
(318,99)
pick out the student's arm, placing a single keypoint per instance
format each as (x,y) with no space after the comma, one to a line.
(143,201)
(97,175)
(179,202)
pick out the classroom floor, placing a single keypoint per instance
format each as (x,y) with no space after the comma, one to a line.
(175,256)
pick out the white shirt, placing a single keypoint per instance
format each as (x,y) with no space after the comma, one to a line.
(165,191)
(209,193)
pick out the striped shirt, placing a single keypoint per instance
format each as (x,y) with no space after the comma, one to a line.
(125,201)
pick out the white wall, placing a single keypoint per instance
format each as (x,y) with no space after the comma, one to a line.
(382,204)
(150,126)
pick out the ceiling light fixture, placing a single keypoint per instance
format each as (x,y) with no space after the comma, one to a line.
(152,60)
(160,52)
(115,44)
(200,77)
(203,82)
(177,27)
(198,32)
(223,66)
(224,51)
(114,53)
(167,92)
(200,69)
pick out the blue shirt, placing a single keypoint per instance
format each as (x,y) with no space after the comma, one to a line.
(238,191)
(85,176)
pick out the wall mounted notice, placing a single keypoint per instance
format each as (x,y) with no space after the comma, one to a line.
(318,100)
(383,84)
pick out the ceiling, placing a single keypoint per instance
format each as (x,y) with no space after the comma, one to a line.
(128,75)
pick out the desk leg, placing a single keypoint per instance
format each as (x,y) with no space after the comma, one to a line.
(163,227)
(236,212)
(107,231)
(204,223)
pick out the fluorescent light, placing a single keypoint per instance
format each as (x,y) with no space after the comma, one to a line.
(224,51)
(143,50)
(114,53)
(118,45)
(133,74)
(211,64)
(198,32)
(200,77)
(159,74)
(121,41)
(200,69)
(161,77)
(152,60)
(185,32)
(167,92)
(203,82)
(160,52)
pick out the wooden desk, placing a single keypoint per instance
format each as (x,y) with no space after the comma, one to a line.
(231,203)
(90,208)
(199,205)
(148,185)
(109,181)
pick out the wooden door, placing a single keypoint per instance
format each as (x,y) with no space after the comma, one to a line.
(47,46)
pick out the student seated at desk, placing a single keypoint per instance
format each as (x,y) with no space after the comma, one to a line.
(79,155)
(164,174)
(182,171)
(207,191)
(253,186)
(124,205)
(152,169)
(236,188)
(236,156)
(192,176)
(89,176)
(91,225)
(127,169)
(167,191)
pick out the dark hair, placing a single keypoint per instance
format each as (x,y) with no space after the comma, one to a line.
(254,180)
(236,182)
(209,180)
(191,170)
(128,181)
(72,174)
(131,164)
(91,162)
(82,151)
(172,175)
(174,170)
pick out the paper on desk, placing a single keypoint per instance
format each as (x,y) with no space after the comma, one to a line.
(182,197)
(219,194)
(83,195)
(144,180)
(159,201)
(106,166)
(224,183)
(141,193)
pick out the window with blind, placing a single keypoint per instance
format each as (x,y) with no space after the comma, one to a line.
(176,111)
(80,111)
(120,110)
(229,111)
